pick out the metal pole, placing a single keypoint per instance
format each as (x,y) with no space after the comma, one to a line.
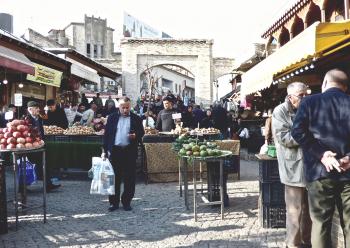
(3,201)
(222,187)
(180,176)
(44,184)
(346,9)
(15,168)
(194,190)
(185,170)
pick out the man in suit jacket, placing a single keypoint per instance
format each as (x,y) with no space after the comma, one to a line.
(291,168)
(123,132)
(322,128)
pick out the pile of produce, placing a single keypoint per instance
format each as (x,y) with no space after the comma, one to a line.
(20,134)
(79,130)
(53,130)
(201,149)
(204,131)
(180,130)
(150,131)
(99,123)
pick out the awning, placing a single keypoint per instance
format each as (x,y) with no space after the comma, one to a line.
(14,60)
(320,39)
(84,72)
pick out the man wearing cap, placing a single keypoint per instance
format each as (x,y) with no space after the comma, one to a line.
(56,115)
(165,122)
(36,122)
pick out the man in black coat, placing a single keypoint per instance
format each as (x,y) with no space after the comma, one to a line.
(322,128)
(123,133)
(56,115)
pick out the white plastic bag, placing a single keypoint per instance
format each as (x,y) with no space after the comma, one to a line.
(263,149)
(95,162)
(103,182)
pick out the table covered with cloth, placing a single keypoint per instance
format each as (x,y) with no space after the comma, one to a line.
(71,154)
(162,164)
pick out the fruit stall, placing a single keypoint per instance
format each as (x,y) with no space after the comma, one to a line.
(166,145)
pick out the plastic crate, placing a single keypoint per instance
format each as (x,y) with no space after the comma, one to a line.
(268,171)
(49,138)
(272,216)
(272,193)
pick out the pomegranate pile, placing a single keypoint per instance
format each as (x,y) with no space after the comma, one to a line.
(20,134)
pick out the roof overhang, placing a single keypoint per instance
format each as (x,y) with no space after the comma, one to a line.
(318,40)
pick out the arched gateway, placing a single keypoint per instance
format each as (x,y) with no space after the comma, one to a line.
(192,54)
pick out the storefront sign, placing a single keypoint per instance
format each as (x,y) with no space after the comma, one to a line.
(46,75)
(18,99)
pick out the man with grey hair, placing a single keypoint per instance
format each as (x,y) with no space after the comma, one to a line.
(290,165)
(123,133)
(322,128)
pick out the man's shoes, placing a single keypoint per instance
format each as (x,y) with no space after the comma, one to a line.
(51,187)
(113,208)
(127,208)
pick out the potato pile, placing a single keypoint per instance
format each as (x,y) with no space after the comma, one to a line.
(203,131)
(150,131)
(53,130)
(79,130)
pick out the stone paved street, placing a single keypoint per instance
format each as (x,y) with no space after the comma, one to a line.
(158,219)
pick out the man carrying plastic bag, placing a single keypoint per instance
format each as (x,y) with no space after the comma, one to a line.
(103,182)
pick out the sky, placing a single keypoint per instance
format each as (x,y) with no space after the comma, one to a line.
(234,25)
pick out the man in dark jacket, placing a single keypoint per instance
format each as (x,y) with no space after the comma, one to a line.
(123,133)
(322,128)
(165,120)
(56,116)
(36,158)
(220,119)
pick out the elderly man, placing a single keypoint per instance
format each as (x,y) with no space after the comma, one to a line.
(124,131)
(290,165)
(36,122)
(322,128)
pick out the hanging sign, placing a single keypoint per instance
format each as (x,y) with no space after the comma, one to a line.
(18,99)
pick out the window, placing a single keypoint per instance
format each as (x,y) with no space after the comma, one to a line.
(95,51)
(102,51)
(88,51)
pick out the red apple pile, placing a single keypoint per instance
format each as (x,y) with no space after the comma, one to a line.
(19,134)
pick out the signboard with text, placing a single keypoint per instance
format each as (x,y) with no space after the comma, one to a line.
(18,99)
(46,75)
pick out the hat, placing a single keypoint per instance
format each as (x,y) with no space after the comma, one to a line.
(32,104)
(12,105)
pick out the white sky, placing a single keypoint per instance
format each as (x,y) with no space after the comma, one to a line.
(233,24)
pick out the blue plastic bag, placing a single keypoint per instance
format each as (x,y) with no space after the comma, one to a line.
(31,176)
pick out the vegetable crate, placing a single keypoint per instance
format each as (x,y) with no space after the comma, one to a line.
(272,193)
(268,171)
(272,216)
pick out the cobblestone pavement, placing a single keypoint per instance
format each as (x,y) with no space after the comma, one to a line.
(158,219)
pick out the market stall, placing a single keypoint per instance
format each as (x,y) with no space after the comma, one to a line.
(72,148)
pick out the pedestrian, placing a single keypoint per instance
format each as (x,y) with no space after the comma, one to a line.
(89,115)
(165,122)
(291,168)
(36,122)
(71,113)
(198,115)
(85,101)
(207,122)
(98,101)
(123,133)
(322,128)
(56,115)
(220,119)
(188,118)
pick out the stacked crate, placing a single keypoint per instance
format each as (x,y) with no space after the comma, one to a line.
(272,207)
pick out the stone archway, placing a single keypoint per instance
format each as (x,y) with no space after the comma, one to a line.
(193,55)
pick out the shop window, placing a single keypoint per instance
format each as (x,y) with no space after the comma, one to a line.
(95,51)
(88,50)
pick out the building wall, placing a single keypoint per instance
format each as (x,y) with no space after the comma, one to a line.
(193,55)
(79,38)
(176,79)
